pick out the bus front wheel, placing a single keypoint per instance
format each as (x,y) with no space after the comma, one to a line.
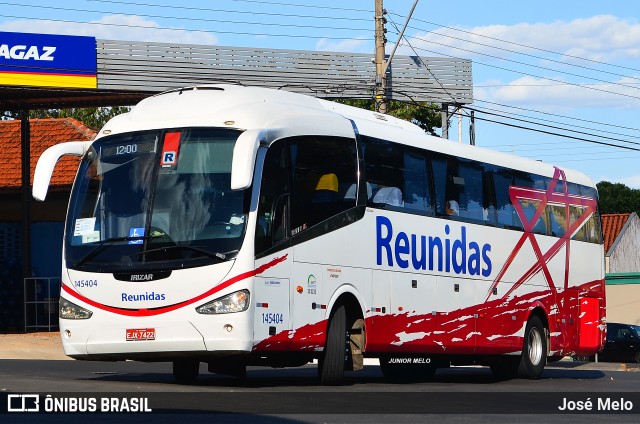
(331,365)
(185,371)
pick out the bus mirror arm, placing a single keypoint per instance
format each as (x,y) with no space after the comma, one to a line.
(244,158)
(47,163)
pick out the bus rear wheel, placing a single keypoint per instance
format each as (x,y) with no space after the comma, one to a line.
(185,371)
(534,349)
(332,363)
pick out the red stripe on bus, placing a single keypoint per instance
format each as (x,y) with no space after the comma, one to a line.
(158,311)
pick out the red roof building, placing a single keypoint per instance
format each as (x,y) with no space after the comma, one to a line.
(612,225)
(621,234)
(44,133)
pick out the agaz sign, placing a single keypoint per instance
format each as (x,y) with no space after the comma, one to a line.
(45,60)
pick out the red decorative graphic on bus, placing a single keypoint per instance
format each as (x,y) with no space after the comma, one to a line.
(550,196)
(157,311)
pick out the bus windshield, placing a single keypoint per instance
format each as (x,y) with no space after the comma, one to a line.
(156,199)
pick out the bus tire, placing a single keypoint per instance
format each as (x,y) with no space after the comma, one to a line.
(185,371)
(534,349)
(331,365)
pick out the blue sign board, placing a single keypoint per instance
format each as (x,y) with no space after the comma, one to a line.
(47,60)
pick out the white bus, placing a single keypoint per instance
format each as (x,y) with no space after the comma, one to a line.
(238,226)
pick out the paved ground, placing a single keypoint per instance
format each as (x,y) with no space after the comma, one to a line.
(32,346)
(48,346)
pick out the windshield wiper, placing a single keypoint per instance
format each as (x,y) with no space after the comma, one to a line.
(199,249)
(107,242)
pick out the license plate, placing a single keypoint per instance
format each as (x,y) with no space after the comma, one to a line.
(134,334)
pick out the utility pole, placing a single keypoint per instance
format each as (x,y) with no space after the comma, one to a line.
(472,130)
(444,114)
(381,77)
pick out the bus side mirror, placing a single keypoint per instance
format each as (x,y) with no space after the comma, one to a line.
(244,158)
(47,162)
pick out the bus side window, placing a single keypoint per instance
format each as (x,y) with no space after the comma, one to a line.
(398,176)
(273,205)
(506,213)
(439,167)
(323,170)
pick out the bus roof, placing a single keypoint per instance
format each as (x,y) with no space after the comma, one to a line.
(287,113)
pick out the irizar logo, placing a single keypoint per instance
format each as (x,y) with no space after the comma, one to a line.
(22,52)
(431,252)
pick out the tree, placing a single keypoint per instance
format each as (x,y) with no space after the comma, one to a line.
(618,198)
(92,117)
(425,115)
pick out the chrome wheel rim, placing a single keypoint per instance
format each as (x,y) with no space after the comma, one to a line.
(534,344)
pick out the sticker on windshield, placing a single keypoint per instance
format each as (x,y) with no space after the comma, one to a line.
(136,232)
(91,237)
(170,149)
(84,226)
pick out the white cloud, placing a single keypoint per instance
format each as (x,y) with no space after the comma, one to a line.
(602,37)
(114,27)
(552,94)
(555,82)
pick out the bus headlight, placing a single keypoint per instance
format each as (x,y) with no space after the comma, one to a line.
(234,302)
(70,310)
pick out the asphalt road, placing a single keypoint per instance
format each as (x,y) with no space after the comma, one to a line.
(35,364)
(461,394)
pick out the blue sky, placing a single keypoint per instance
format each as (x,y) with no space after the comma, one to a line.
(561,67)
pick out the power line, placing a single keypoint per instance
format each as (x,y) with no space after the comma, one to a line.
(269,3)
(177,29)
(529,47)
(551,132)
(560,123)
(551,126)
(525,54)
(534,66)
(241,12)
(226,21)
(558,115)
(602,143)
(423,62)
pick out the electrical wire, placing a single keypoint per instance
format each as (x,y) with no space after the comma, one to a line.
(475,34)
(201,19)
(109,24)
